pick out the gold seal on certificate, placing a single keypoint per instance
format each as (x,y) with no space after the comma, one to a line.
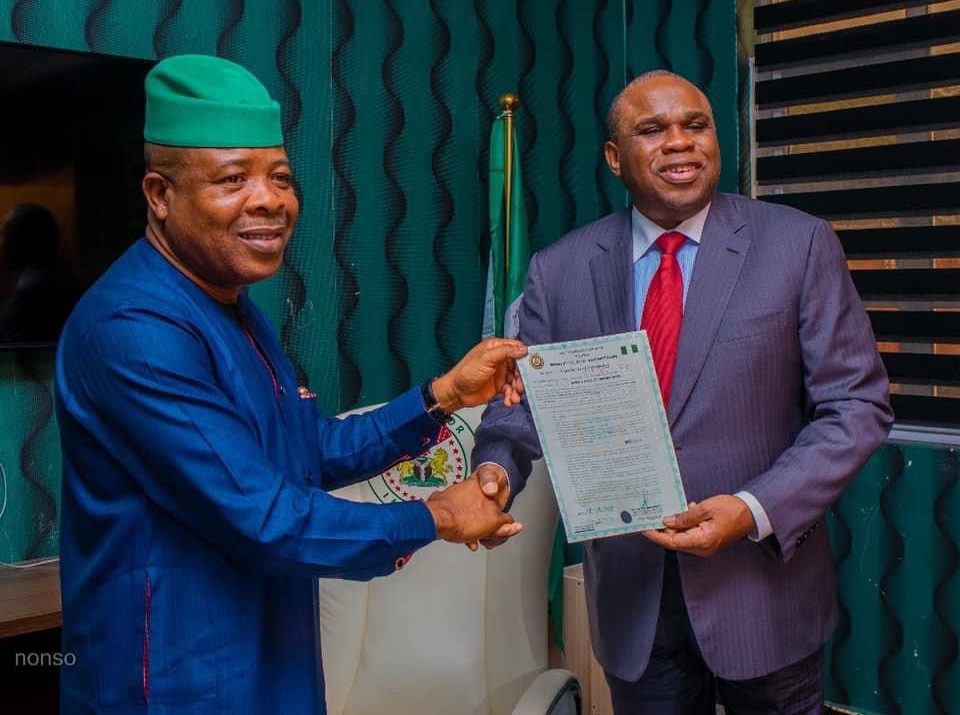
(604,433)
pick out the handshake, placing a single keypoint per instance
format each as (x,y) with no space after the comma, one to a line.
(471,512)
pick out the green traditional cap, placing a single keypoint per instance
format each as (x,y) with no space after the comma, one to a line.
(205,101)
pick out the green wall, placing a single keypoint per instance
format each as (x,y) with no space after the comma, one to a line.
(895,535)
(387,110)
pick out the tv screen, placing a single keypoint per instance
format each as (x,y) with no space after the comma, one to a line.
(71,159)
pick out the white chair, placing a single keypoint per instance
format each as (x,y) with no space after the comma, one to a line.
(454,632)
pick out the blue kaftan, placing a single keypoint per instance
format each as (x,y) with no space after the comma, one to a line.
(195,512)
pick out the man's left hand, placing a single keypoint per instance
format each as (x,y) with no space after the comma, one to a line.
(489,369)
(495,485)
(706,528)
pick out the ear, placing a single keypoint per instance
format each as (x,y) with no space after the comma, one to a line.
(155,191)
(611,153)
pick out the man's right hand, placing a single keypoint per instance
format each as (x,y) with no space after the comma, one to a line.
(464,514)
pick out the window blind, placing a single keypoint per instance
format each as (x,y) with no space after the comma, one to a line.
(857,120)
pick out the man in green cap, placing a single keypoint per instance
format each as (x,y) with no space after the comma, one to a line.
(196,516)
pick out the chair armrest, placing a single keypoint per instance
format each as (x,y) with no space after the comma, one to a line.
(553,692)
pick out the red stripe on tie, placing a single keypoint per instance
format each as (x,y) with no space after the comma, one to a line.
(663,311)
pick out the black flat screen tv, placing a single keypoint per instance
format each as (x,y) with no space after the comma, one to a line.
(71,160)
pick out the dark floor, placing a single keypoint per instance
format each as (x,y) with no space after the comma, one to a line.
(29,690)
(33,690)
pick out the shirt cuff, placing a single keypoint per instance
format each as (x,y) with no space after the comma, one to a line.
(414,527)
(762,522)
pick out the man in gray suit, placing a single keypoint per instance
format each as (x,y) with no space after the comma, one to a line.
(777,397)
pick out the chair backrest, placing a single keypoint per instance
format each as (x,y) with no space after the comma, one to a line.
(454,632)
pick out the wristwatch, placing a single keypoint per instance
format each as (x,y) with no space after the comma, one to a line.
(439,415)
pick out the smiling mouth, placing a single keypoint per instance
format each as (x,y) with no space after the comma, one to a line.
(264,240)
(681,173)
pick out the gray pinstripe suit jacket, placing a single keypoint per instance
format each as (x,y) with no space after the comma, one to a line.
(778,390)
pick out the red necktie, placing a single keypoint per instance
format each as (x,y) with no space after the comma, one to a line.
(663,311)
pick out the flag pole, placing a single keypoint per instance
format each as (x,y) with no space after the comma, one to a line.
(508,103)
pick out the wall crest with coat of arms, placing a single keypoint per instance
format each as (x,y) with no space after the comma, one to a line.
(444,464)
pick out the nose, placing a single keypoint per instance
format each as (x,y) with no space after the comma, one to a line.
(265,196)
(676,139)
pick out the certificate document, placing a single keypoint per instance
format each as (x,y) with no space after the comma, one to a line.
(605,437)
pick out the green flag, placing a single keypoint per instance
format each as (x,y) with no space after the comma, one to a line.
(558,559)
(509,258)
(509,254)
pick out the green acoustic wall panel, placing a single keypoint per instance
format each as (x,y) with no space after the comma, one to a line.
(112,29)
(695,38)
(864,550)
(304,296)
(566,60)
(29,457)
(57,23)
(896,536)
(387,111)
(373,156)
(6,19)
(257,34)
(195,24)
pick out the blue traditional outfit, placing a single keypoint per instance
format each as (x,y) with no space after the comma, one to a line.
(195,516)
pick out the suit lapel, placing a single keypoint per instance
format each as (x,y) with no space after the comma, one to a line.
(612,272)
(723,248)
